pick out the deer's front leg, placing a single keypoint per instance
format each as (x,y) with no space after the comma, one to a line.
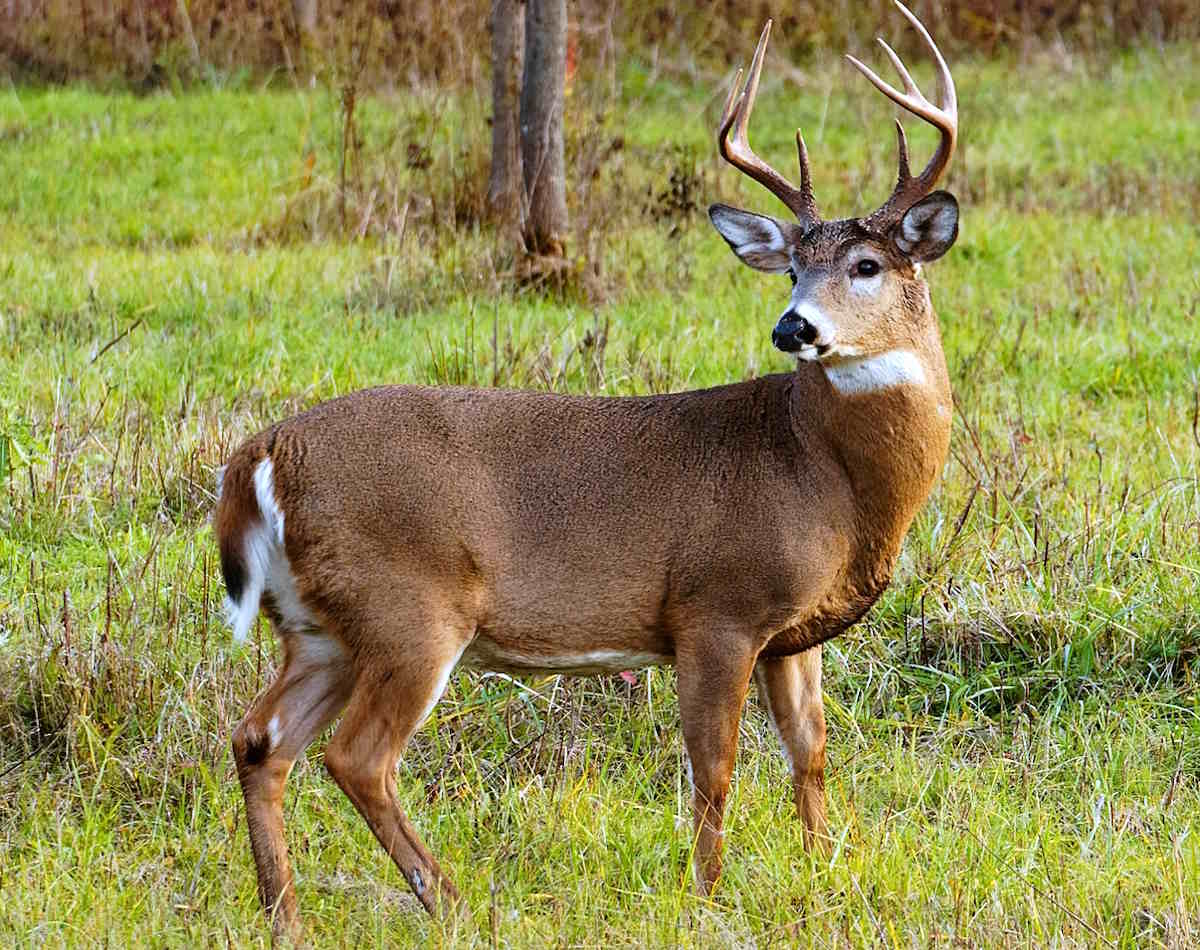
(790,688)
(713,678)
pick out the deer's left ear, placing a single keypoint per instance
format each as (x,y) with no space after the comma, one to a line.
(929,228)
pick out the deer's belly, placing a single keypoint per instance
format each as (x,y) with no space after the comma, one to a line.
(488,654)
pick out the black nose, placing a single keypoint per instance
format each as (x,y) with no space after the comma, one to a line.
(792,332)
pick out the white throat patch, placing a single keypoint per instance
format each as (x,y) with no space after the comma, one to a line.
(874,373)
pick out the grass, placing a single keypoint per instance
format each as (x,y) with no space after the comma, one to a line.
(1014,730)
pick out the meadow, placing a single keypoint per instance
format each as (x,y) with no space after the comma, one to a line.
(1014,728)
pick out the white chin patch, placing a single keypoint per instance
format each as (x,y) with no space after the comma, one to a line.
(826,353)
(870,374)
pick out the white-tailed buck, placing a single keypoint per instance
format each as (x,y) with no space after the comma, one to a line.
(397,533)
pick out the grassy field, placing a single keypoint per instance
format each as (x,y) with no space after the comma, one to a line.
(1014,729)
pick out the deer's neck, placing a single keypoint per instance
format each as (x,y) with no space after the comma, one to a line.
(888,424)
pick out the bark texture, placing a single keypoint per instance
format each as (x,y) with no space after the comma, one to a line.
(184,19)
(305,12)
(506,187)
(542,125)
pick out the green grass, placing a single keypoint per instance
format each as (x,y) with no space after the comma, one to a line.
(1014,730)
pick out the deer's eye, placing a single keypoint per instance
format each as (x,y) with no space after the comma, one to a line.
(792,276)
(866,268)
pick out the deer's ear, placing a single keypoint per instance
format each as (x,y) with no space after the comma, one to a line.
(758,240)
(929,228)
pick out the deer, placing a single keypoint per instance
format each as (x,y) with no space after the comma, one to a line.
(398,533)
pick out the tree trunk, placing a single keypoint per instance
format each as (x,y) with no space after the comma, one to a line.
(305,12)
(542,125)
(506,188)
(184,19)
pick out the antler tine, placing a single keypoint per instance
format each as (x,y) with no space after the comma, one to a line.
(902,150)
(806,193)
(943,117)
(727,112)
(736,150)
(750,93)
(910,87)
(945,81)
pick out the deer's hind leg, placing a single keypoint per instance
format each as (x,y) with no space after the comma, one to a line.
(400,680)
(309,691)
(790,688)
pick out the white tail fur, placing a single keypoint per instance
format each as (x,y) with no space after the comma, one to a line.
(267,567)
(263,553)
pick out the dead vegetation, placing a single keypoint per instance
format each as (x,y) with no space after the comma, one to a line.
(427,42)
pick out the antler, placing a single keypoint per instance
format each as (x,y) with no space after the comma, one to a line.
(944,118)
(737,151)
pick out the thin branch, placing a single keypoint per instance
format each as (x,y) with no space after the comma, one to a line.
(117,339)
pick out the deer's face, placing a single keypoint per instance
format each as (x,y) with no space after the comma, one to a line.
(855,292)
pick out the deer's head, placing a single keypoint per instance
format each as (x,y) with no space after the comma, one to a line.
(857,287)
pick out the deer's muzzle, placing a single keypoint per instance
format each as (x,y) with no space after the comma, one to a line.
(793,332)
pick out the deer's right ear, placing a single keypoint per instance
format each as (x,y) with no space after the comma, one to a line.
(758,240)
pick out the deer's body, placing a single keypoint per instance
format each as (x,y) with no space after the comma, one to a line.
(541,522)
(396,533)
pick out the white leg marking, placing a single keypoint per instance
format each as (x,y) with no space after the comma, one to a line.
(273,733)
(787,753)
(761,678)
(875,373)
(440,686)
